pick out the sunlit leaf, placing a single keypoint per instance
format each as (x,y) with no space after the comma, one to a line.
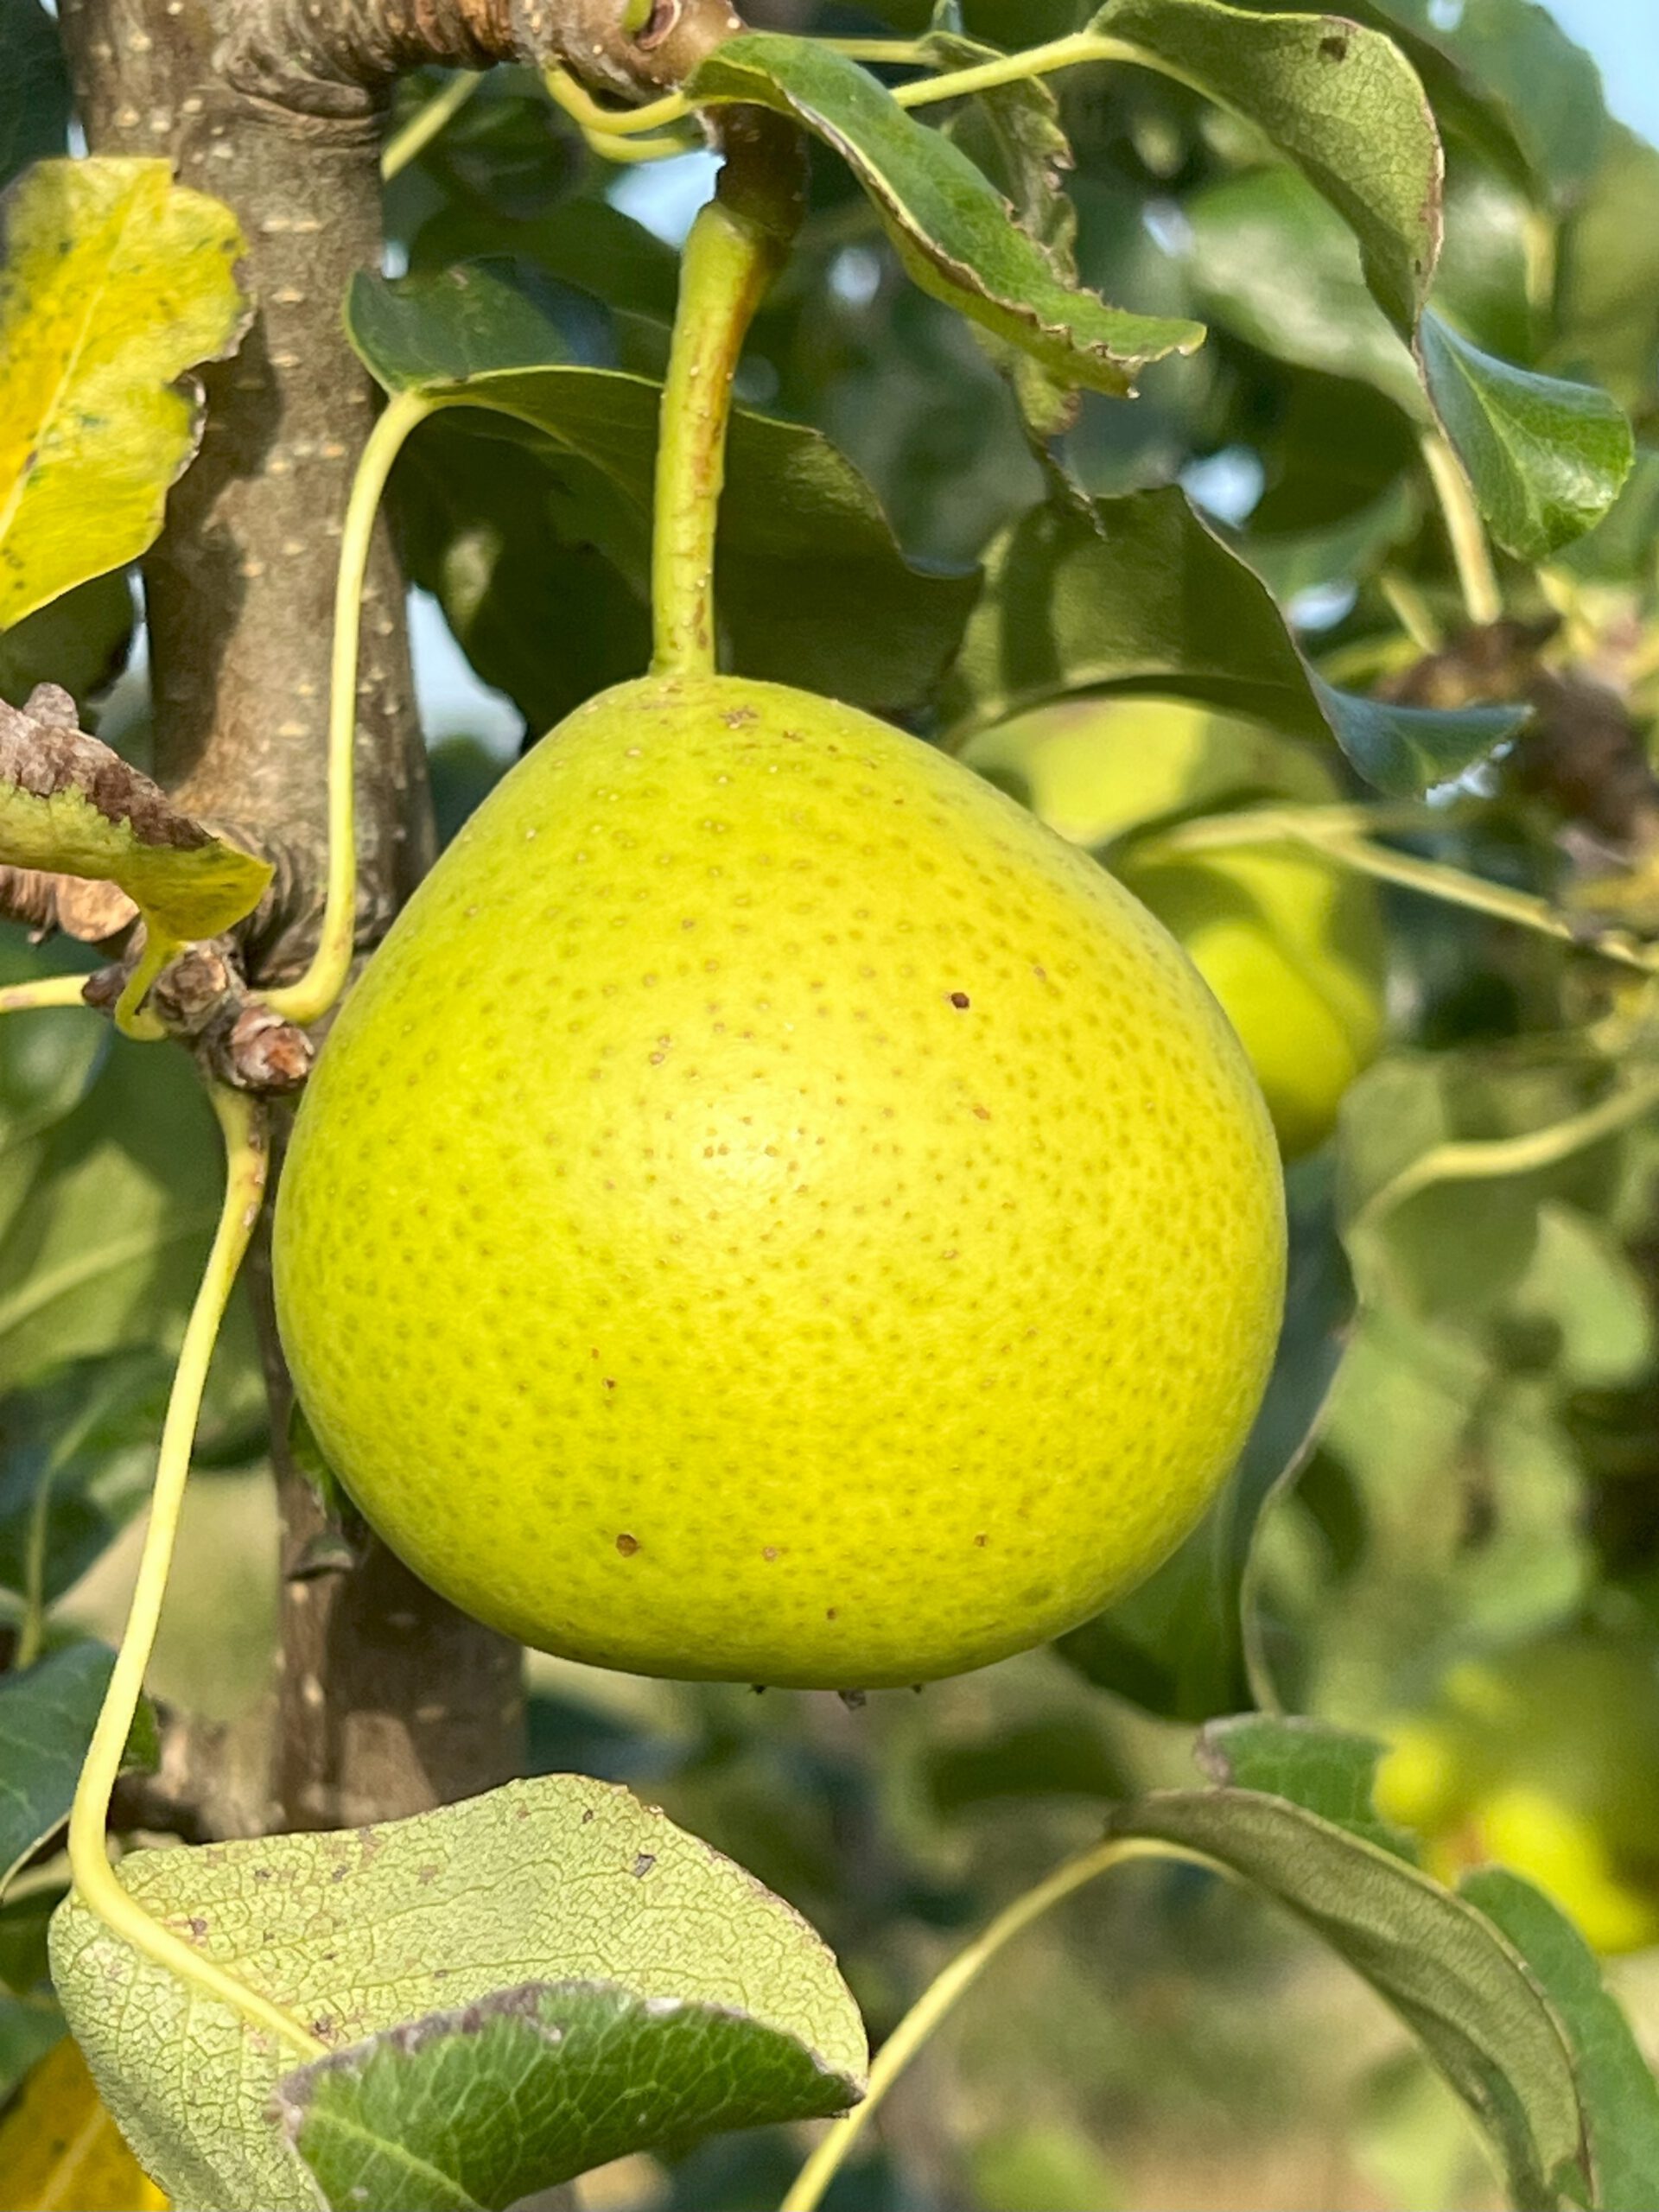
(533,2086)
(554,1881)
(68,803)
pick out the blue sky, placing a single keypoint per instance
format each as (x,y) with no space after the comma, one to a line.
(1624,35)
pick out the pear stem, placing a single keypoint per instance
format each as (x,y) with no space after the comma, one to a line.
(736,247)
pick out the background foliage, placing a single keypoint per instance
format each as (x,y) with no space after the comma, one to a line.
(1479,1502)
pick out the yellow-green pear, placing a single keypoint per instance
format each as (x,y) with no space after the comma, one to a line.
(772,1210)
(1291,943)
(1546,1761)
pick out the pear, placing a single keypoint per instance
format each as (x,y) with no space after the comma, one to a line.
(1290,942)
(772,1210)
(1545,1760)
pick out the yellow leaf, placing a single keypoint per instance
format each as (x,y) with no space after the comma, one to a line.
(116,281)
(60,2151)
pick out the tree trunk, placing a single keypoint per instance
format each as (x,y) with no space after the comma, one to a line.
(388,1700)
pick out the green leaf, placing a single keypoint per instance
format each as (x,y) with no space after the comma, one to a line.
(531,2087)
(35,93)
(1330,1771)
(1546,458)
(1177,1645)
(1623,547)
(555,1881)
(1272,263)
(948,223)
(80,641)
(1505,76)
(1449,1974)
(116,281)
(47,1714)
(1341,102)
(811,586)
(28,2028)
(1137,594)
(1620,2096)
(77,1456)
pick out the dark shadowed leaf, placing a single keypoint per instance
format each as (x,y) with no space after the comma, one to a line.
(1340,101)
(1620,2096)
(46,1722)
(1546,458)
(947,221)
(33,89)
(533,2086)
(80,641)
(813,588)
(1138,594)
(76,1456)
(1275,266)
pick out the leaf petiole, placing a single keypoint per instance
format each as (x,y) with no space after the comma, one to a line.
(1346,834)
(316,991)
(942,1992)
(1483,600)
(95,1880)
(50,990)
(407,144)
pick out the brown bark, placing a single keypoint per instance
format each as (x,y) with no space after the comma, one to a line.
(239,596)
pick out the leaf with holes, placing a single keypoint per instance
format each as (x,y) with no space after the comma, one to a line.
(1342,102)
(116,281)
(553,1882)
(948,222)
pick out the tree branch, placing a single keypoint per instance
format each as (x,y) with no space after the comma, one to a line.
(339,60)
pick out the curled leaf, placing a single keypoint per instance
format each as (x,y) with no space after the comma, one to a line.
(950,224)
(70,806)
